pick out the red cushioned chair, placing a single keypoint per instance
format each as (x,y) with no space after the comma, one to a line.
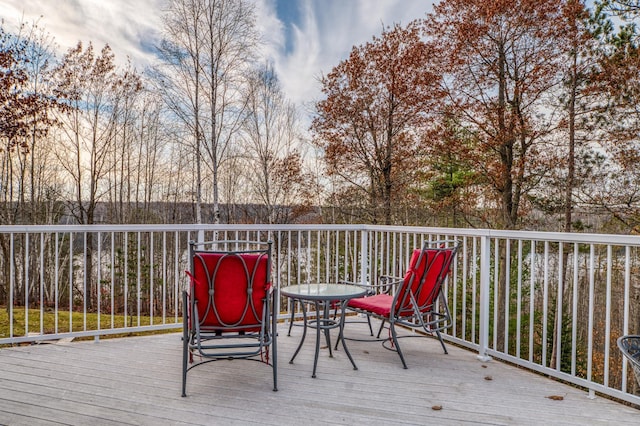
(415,301)
(229,305)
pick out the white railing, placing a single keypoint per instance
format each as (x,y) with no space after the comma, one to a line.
(551,302)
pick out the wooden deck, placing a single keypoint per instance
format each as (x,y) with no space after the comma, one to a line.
(136,380)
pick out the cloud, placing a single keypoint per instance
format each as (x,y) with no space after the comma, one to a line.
(325,34)
(303,43)
(129,27)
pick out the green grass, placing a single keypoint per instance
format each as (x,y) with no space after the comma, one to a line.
(76,319)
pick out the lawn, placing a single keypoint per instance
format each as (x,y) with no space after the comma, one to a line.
(67,322)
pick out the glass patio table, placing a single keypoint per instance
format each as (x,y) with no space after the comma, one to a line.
(325,294)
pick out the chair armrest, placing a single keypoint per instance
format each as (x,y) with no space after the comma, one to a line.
(391,280)
(388,282)
(385,285)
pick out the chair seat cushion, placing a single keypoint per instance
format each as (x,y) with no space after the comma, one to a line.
(380,304)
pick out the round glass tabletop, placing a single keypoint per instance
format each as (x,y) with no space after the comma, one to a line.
(323,291)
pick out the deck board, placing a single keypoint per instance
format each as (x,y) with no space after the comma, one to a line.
(137,380)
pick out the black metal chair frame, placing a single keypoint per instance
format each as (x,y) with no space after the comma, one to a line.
(630,348)
(235,340)
(431,321)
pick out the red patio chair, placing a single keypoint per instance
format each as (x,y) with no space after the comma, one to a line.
(415,301)
(229,305)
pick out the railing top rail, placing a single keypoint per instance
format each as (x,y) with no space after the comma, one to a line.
(613,239)
(171,227)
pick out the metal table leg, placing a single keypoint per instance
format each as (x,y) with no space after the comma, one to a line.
(341,335)
(304,332)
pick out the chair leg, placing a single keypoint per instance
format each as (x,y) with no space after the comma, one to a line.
(185,355)
(275,375)
(380,329)
(397,344)
(274,344)
(369,322)
(185,344)
(444,348)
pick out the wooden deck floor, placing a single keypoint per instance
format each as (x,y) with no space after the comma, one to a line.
(137,381)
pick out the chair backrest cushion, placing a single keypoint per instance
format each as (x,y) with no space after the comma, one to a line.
(230,288)
(428,269)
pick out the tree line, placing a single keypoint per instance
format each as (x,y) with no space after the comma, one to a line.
(504,114)
(494,114)
(207,122)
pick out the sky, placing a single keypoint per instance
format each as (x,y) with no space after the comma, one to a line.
(304,38)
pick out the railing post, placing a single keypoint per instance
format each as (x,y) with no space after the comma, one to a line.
(485,266)
(364,256)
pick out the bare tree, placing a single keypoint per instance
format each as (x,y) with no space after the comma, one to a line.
(40,188)
(151,147)
(122,168)
(179,76)
(206,52)
(86,83)
(272,140)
